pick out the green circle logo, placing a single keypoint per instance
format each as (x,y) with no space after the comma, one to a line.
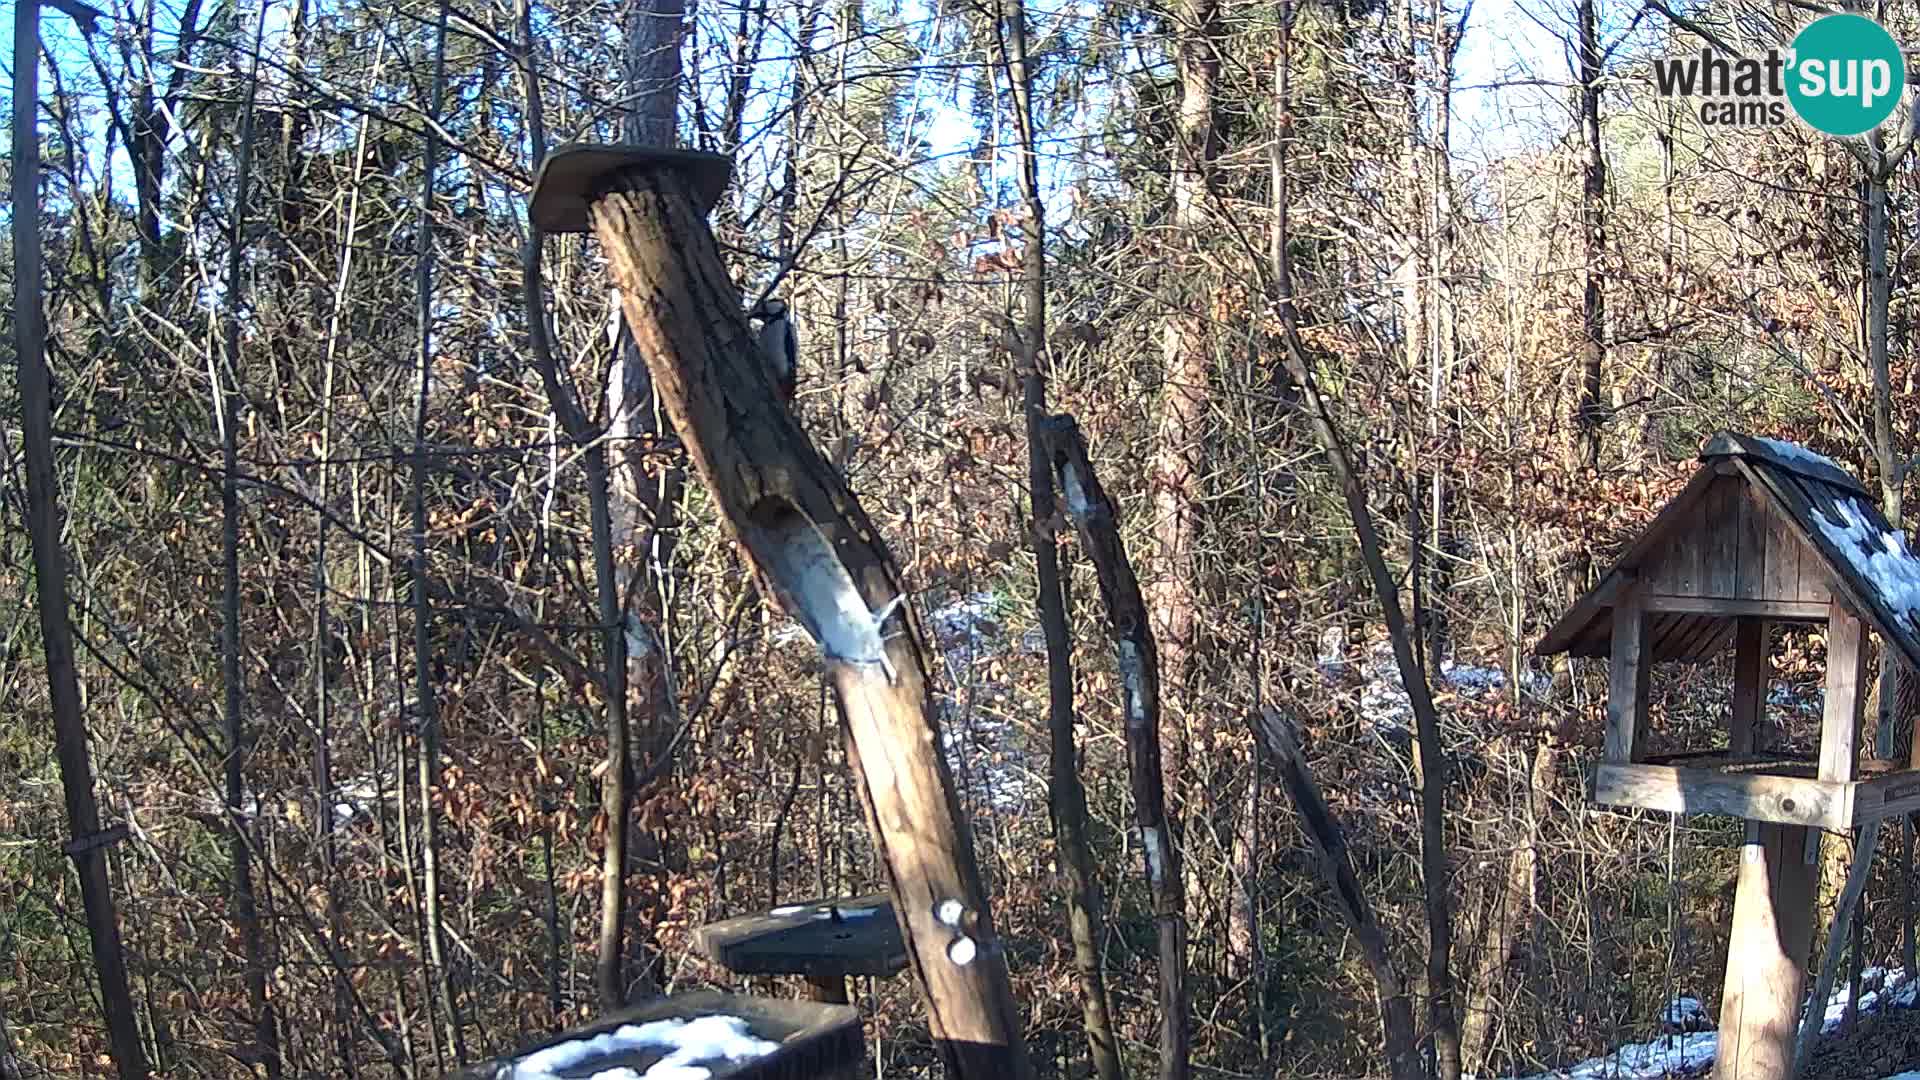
(1847,74)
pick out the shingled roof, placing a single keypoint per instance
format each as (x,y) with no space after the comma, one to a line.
(1763,521)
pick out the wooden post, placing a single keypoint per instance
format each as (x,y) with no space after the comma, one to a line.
(1766,955)
(831,989)
(1748,731)
(1846,675)
(815,550)
(1627,680)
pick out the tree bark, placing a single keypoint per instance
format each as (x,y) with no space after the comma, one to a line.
(240,844)
(428,708)
(1093,516)
(1282,742)
(1512,912)
(815,550)
(1067,795)
(1593,237)
(88,846)
(1178,444)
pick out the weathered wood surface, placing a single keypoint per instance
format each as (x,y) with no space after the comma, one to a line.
(1845,697)
(1093,517)
(1627,681)
(1766,955)
(1843,912)
(816,1040)
(814,550)
(1748,729)
(1786,800)
(816,938)
(1277,734)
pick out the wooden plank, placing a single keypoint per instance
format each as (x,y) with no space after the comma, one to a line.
(1627,678)
(1846,680)
(1786,800)
(1663,635)
(1719,540)
(1766,956)
(1751,574)
(827,939)
(1747,732)
(1774,610)
(1880,797)
(1700,637)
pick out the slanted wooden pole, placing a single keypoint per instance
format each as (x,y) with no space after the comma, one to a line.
(1093,516)
(1815,1018)
(815,550)
(1278,735)
(1627,680)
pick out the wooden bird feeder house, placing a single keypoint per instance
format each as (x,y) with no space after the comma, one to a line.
(1765,532)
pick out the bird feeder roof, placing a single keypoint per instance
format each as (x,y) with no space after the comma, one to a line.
(815,938)
(1764,528)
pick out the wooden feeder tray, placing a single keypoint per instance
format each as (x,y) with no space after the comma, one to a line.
(807,939)
(1782,788)
(816,1041)
(571,177)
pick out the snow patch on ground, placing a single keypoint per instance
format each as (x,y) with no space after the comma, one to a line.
(1690,1053)
(687,1042)
(1384,703)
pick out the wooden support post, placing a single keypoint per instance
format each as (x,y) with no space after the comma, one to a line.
(1627,680)
(1748,732)
(831,989)
(1846,676)
(1766,955)
(815,550)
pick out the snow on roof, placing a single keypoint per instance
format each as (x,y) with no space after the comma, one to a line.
(687,1042)
(1795,452)
(1879,557)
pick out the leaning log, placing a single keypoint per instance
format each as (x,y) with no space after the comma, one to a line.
(1282,743)
(1091,512)
(816,552)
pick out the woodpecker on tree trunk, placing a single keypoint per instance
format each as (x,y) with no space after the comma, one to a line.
(779,346)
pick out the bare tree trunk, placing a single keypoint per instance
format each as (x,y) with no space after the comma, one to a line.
(1178,450)
(1593,237)
(427,708)
(1068,797)
(641,506)
(88,846)
(1430,762)
(1139,668)
(240,845)
(1282,742)
(1512,911)
(1886,448)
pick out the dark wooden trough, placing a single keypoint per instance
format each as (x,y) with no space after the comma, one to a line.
(824,941)
(815,1041)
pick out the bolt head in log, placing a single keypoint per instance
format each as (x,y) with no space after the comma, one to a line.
(574,175)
